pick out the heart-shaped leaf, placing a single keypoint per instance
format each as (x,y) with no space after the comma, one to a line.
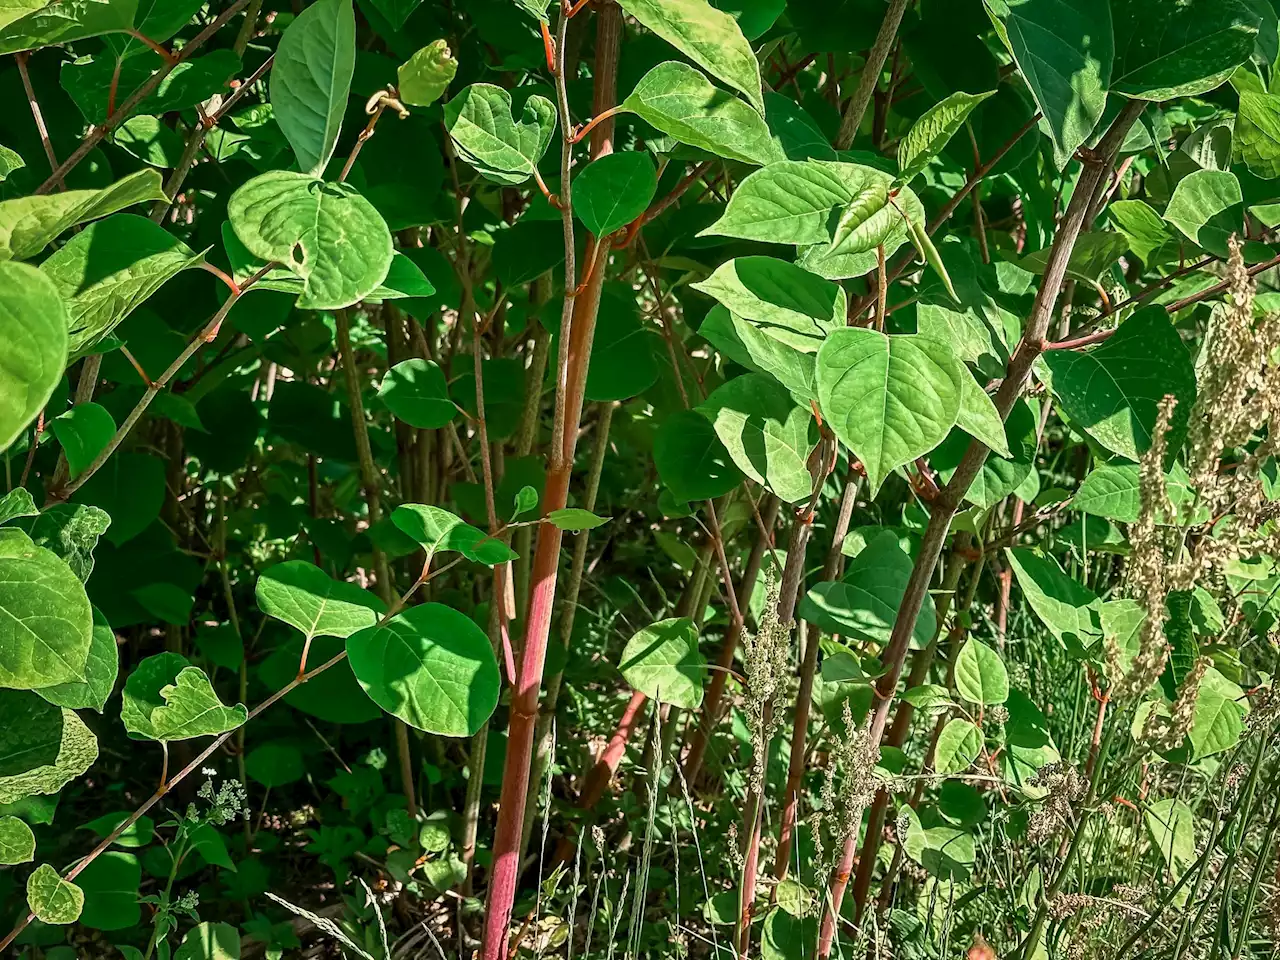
(663,662)
(305,597)
(488,136)
(166,698)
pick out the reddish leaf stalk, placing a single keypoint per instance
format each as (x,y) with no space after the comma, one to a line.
(543,575)
(948,502)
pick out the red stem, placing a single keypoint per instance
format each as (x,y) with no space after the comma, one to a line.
(543,574)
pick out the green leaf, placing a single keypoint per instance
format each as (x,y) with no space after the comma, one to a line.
(70,530)
(766,432)
(42,747)
(786,302)
(1257,134)
(145,137)
(1066,606)
(210,941)
(864,604)
(691,460)
(1183,49)
(788,937)
(431,666)
(575,519)
(1064,50)
(794,130)
(52,899)
(275,764)
(743,342)
(45,619)
(611,192)
(981,677)
(1093,254)
(315,60)
(27,224)
(110,885)
(100,670)
(137,834)
(791,201)
(396,12)
(440,531)
(1149,237)
(682,103)
(979,417)
(84,431)
(959,745)
(17,503)
(108,269)
(417,392)
(9,162)
(933,130)
(711,39)
(63,22)
(305,597)
(424,77)
(166,698)
(663,662)
(325,233)
(1218,720)
(130,488)
(1207,207)
(1112,391)
(33,328)
(488,137)
(1173,830)
(888,399)
(89,80)
(17,842)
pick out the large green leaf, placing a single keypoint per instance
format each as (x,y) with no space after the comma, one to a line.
(979,417)
(100,670)
(959,745)
(166,698)
(710,38)
(1257,134)
(325,233)
(431,666)
(981,676)
(611,192)
(1064,51)
(17,842)
(42,747)
(305,597)
(61,22)
(27,224)
(1207,207)
(487,135)
(790,201)
(108,269)
(944,851)
(691,460)
(1112,392)
(33,329)
(1066,606)
(84,432)
(1180,48)
(1173,829)
(933,130)
(864,604)
(89,81)
(46,623)
(1093,254)
(52,899)
(210,941)
(888,399)
(1218,720)
(110,884)
(766,432)
(1148,235)
(417,392)
(315,61)
(746,344)
(785,302)
(682,103)
(663,662)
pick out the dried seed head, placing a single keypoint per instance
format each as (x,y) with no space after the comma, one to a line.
(1065,789)
(767,664)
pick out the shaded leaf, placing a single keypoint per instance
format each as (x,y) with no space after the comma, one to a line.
(663,662)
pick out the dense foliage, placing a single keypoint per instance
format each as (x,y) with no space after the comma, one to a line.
(639,478)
